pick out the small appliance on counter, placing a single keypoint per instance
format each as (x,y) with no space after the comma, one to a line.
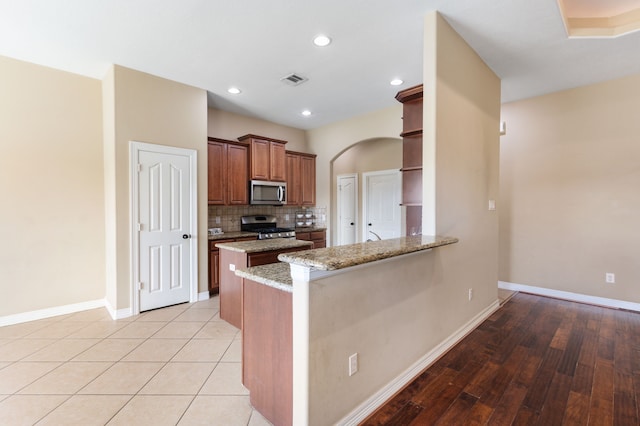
(265,226)
(215,231)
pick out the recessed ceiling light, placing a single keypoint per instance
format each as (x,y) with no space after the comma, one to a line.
(396,82)
(306,112)
(321,40)
(234,90)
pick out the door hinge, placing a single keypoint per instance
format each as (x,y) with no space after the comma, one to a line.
(139,227)
(139,167)
(140,286)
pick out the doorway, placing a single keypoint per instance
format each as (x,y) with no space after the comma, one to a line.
(382,214)
(347,208)
(164,224)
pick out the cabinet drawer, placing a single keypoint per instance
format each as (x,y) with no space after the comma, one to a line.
(263,258)
(212,243)
(319,244)
(317,235)
(305,236)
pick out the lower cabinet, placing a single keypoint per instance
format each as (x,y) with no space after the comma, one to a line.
(319,238)
(214,262)
(266,257)
(231,284)
(267,351)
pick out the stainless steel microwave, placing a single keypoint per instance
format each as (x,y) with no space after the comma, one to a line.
(266,192)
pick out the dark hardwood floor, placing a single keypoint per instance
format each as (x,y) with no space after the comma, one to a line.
(536,361)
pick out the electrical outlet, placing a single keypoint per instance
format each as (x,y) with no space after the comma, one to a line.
(610,278)
(353,364)
(217,220)
(492,205)
(470,294)
(286,217)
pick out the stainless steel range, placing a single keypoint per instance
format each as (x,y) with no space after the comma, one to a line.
(266,227)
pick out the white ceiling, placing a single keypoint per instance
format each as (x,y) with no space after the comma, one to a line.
(215,44)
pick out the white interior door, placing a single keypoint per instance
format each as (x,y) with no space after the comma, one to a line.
(381,205)
(165,208)
(347,208)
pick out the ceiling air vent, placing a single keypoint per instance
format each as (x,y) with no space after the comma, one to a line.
(293,79)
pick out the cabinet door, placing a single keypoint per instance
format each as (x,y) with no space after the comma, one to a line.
(214,271)
(237,171)
(308,181)
(260,165)
(293,179)
(319,239)
(277,169)
(217,182)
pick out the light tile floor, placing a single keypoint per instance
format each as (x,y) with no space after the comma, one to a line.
(174,366)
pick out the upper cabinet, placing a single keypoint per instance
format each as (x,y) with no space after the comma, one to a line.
(301,179)
(227,172)
(267,158)
(293,178)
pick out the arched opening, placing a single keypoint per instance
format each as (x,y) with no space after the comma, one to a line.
(363,157)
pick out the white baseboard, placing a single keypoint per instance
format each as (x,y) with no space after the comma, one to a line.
(365,409)
(574,297)
(51,312)
(203,296)
(119,313)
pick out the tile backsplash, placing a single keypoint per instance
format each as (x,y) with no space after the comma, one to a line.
(229,216)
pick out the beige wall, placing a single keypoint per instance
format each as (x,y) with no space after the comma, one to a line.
(424,295)
(570,190)
(227,125)
(460,160)
(149,109)
(330,141)
(388,312)
(51,181)
(368,156)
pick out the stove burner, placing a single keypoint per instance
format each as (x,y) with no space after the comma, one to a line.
(272,230)
(266,227)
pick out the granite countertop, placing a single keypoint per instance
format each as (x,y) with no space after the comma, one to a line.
(265,245)
(231,235)
(276,275)
(339,257)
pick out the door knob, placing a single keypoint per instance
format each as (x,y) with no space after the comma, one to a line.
(351,224)
(186,236)
(369,224)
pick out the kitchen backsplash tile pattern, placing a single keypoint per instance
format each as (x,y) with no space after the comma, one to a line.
(228,217)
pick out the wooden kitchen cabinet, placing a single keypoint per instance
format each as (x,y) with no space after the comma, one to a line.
(267,158)
(318,238)
(214,262)
(267,351)
(308,180)
(293,178)
(228,163)
(214,266)
(277,170)
(233,257)
(266,257)
(237,171)
(301,179)
(217,171)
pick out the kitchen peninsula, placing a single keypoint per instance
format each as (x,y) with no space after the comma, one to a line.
(240,254)
(325,307)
